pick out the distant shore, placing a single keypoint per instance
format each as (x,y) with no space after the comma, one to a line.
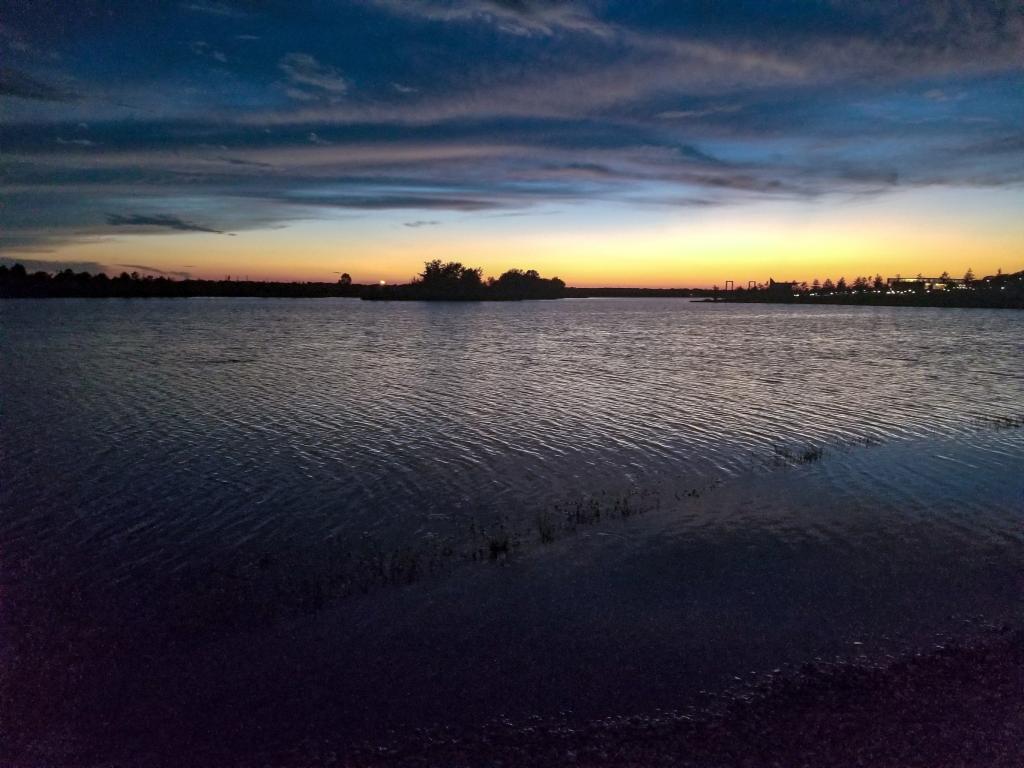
(998,291)
(185,289)
(453,282)
(514,285)
(1011,298)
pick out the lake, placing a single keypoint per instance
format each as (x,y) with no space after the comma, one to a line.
(247,522)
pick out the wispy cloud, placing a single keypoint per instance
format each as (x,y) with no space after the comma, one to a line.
(162,221)
(420,223)
(518,17)
(695,114)
(21,85)
(223,10)
(303,69)
(400,202)
(155,270)
(248,163)
(202,48)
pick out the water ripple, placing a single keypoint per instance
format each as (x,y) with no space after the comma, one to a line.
(167,428)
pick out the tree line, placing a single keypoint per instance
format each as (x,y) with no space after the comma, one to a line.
(448,281)
(878,283)
(17,282)
(998,290)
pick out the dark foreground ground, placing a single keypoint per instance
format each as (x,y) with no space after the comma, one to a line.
(952,706)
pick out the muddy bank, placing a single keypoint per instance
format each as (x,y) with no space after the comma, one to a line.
(953,706)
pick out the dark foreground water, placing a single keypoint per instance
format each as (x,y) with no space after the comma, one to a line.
(233,525)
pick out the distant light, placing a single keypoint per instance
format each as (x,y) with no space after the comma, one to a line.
(383,282)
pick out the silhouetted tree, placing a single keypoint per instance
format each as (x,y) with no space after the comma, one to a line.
(345,279)
(447,280)
(471,279)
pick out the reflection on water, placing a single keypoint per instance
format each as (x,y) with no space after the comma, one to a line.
(768,481)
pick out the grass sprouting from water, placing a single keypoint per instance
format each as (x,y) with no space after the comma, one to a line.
(1002,422)
(784,455)
(267,588)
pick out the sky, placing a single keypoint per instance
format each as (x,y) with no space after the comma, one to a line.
(661,143)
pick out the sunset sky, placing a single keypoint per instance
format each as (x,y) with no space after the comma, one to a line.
(622,143)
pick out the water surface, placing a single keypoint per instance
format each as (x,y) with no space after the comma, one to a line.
(183,472)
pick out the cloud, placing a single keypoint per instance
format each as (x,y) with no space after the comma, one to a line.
(418,224)
(398,202)
(854,43)
(158,220)
(304,70)
(518,17)
(300,95)
(693,114)
(223,10)
(20,85)
(248,163)
(154,270)
(507,105)
(202,48)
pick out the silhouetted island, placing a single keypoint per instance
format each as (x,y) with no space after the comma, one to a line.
(451,281)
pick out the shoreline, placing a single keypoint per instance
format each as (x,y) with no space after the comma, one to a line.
(694,296)
(957,704)
(935,301)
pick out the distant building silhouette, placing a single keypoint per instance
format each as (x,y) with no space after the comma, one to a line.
(781,289)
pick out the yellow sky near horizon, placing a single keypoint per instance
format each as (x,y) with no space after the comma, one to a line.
(687,250)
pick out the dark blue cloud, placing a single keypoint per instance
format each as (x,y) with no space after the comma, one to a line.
(19,85)
(159,221)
